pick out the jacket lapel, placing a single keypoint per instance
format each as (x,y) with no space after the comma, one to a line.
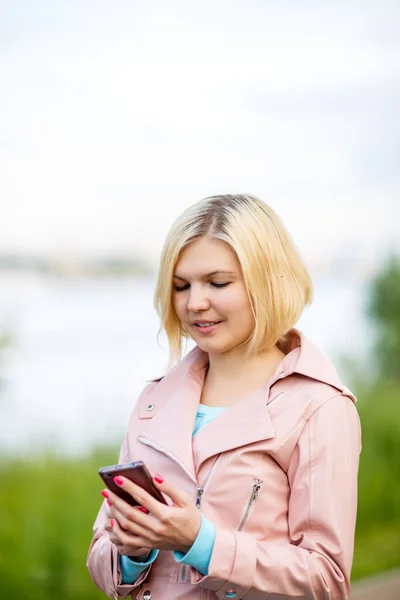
(244,423)
(168,413)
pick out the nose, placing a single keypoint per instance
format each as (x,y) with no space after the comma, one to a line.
(198,300)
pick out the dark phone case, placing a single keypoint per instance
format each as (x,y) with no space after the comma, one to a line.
(136,472)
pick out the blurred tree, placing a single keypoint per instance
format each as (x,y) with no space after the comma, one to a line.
(384,310)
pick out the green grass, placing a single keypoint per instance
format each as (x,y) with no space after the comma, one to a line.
(377,545)
(48,505)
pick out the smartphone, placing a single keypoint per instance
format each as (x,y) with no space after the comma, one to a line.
(136,472)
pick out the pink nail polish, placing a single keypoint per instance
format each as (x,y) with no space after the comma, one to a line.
(112,522)
(104,493)
(158,478)
(143,509)
(118,481)
(109,503)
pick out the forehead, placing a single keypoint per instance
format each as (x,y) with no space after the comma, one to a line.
(206,255)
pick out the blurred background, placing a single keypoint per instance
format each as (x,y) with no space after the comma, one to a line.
(114,118)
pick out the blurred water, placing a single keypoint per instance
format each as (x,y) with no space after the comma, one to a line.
(83,350)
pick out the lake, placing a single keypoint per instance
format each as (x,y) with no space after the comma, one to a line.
(83,349)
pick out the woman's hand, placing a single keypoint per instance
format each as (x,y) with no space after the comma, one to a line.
(152,525)
(115,532)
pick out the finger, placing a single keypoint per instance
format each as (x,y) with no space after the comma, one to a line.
(110,513)
(109,524)
(120,538)
(115,501)
(135,523)
(178,497)
(105,494)
(117,534)
(145,526)
(140,495)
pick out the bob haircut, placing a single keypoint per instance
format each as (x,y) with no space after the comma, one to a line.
(276,278)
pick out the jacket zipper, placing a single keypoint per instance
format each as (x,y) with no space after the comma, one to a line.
(176,460)
(275,398)
(200,489)
(254,494)
(182,572)
(199,495)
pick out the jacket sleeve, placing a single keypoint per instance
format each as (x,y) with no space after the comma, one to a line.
(102,560)
(316,564)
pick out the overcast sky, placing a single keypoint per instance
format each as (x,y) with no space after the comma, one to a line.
(115,116)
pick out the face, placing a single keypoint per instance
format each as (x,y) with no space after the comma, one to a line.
(210,296)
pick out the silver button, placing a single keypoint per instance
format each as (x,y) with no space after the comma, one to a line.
(147,595)
(150,407)
(230,594)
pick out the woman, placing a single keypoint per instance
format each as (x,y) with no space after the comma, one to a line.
(252,436)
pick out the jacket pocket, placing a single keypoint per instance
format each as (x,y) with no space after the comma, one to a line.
(252,500)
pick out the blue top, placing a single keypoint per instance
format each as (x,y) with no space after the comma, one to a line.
(199,555)
(205,414)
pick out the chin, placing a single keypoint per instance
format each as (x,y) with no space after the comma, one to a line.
(212,346)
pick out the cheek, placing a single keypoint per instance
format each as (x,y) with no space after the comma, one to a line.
(179,305)
(237,304)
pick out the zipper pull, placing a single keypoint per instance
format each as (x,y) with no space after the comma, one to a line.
(256,489)
(199,493)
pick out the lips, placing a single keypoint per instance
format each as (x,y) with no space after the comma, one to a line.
(206,328)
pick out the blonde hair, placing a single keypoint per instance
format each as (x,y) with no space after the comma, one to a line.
(276,278)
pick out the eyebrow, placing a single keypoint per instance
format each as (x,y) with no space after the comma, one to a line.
(208,274)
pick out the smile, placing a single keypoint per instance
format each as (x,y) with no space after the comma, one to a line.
(207,327)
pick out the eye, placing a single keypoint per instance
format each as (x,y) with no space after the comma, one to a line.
(212,283)
(220,285)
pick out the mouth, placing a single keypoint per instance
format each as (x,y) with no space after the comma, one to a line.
(206,327)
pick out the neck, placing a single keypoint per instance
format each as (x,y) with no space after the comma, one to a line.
(233,368)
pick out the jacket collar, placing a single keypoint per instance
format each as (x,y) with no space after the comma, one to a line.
(172,405)
(303,357)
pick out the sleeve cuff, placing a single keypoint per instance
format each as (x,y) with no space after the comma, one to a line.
(199,555)
(130,569)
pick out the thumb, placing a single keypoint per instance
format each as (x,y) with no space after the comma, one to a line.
(178,497)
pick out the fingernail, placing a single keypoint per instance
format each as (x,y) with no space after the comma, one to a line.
(118,481)
(158,478)
(109,503)
(112,522)
(104,493)
(143,509)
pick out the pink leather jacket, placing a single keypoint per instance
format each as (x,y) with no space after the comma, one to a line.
(276,473)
